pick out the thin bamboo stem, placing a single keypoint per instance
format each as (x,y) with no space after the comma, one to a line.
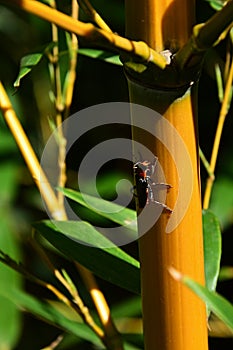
(218,135)
(54,343)
(29,156)
(206,164)
(103,310)
(71,74)
(59,104)
(93,15)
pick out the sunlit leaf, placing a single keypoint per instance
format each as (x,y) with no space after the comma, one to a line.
(212,248)
(220,306)
(48,313)
(26,65)
(217,4)
(114,212)
(28,62)
(101,55)
(81,242)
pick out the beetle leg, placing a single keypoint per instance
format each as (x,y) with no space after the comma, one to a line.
(164,206)
(162,185)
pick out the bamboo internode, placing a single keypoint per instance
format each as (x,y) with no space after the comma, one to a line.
(173,317)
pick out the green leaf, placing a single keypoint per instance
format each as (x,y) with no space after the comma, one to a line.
(127,308)
(112,264)
(101,55)
(221,200)
(10,320)
(215,302)
(212,248)
(48,313)
(122,216)
(137,67)
(27,63)
(217,4)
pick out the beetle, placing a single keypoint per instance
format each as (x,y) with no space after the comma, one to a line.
(145,186)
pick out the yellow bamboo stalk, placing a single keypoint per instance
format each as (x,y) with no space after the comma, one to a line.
(158,17)
(173,317)
(111,333)
(30,157)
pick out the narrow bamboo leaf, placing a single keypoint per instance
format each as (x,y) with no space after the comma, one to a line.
(221,202)
(137,67)
(26,65)
(48,313)
(212,248)
(219,81)
(215,302)
(74,238)
(10,318)
(28,62)
(128,346)
(101,55)
(72,315)
(114,212)
(217,328)
(217,4)
(128,308)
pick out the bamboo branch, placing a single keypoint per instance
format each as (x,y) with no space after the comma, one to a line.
(205,35)
(29,156)
(60,106)
(103,310)
(206,164)
(54,344)
(70,78)
(93,15)
(138,51)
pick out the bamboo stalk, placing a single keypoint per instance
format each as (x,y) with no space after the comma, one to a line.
(111,332)
(30,157)
(173,318)
(144,20)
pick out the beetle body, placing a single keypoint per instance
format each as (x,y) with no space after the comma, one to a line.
(145,186)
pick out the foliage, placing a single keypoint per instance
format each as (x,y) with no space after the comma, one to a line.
(42,70)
